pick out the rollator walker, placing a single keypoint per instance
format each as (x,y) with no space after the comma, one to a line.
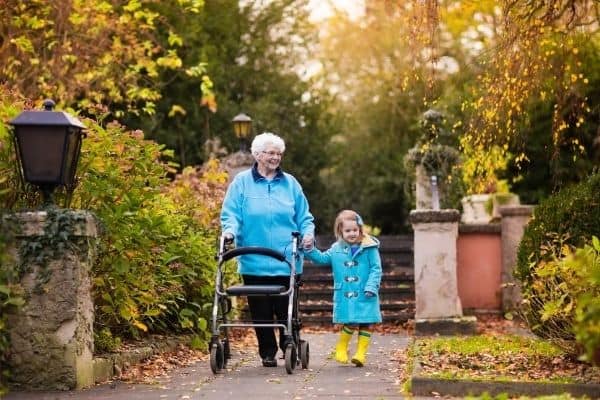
(296,349)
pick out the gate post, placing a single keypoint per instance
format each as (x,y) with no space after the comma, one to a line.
(514,220)
(438,307)
(52,336)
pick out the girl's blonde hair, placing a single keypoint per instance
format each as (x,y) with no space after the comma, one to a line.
(347,215)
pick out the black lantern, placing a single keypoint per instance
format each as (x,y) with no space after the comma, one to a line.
(48,145)
(242,126)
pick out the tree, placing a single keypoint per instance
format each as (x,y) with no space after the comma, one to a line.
(536,80)
(380,83)
(252,54)
(88,52)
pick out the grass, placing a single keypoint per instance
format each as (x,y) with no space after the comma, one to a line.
(487,357)
(502,351)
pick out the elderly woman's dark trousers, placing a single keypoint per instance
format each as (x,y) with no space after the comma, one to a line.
(264,308)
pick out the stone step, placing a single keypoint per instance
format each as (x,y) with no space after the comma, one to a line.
(396,295)
(387,280)
(385,294)
(394,318)
(309,308)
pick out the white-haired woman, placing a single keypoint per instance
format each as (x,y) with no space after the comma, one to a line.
(262,207)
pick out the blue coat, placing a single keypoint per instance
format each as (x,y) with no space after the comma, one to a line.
(352,276)
(264,213)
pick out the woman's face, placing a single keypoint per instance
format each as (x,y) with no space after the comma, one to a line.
(350,231)
(270,158)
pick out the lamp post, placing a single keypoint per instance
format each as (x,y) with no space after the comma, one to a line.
(48,145)
(242,126)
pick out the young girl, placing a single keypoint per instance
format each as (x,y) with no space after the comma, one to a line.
(356,264)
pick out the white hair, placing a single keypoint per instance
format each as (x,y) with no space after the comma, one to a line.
(264,140)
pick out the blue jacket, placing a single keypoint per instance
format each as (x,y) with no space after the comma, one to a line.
(353,275)
(264,213)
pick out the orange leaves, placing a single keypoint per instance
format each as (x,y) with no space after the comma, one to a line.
(199,192)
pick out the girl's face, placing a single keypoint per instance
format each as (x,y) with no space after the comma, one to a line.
(350,231)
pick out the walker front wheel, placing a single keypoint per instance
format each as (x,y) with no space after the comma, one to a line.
(290,358)
(217,357)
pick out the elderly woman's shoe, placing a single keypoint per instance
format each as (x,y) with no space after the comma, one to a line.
(269,362)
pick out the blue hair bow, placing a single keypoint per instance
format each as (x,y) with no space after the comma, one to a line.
(359,220)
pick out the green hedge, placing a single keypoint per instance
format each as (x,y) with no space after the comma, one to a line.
(551,278)
(572,214)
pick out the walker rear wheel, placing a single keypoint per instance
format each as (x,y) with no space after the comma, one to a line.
(304,353)
(226,352)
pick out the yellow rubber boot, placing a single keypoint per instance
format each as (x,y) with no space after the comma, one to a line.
(341,348)
(364,338)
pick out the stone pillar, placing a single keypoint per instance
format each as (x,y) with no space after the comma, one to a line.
(52,334)
(438,307)
(514,220)
(237,162)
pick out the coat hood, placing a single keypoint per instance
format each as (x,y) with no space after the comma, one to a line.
(369,241)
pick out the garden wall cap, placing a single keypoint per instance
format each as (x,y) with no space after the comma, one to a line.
(516,210)
(33,222)
(480,228)
(432,216)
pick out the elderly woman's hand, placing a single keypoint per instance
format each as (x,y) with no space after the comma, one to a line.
(308,242)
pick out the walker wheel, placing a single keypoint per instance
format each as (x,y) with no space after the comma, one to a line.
(226,351)
(304,353)
(217,359)
(290,358)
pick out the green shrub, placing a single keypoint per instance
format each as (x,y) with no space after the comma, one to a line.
(573,213)
(155,262)
(559,302)
(568,218)
(4,296)
(105,342)
(587,314)
(10,297)
(154,268)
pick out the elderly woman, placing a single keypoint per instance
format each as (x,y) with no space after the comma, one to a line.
(262,207)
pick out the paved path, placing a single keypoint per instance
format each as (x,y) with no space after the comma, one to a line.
(246,379)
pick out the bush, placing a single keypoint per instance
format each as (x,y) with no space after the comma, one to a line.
(572,214)
(587,314)
(551,278)
(4,296)
(154,268)
(155,262)
(9,294)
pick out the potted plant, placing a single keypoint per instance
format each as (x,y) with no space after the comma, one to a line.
(434,155)
(485,192)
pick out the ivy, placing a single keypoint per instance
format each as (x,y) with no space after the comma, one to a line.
(57,238)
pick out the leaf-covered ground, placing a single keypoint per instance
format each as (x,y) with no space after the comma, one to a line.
(510,364)
(510,355)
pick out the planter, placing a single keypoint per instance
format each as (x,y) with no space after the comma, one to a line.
(503,199)
(483,208)
(475,210)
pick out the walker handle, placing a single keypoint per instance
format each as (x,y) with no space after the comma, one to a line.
(240,251)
